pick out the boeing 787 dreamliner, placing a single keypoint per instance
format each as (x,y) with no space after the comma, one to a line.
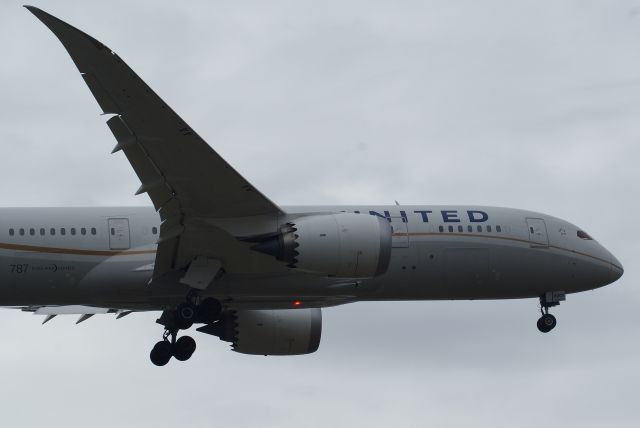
(214,251)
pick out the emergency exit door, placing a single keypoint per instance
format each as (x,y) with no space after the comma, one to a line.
(119,237)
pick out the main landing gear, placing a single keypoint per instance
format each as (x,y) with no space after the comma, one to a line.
(547,322)
(170,346)
(191,312)
(182,318)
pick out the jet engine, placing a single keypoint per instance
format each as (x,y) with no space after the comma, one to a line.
(342,245)
(269,332)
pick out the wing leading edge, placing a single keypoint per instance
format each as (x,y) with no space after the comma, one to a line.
(184,177)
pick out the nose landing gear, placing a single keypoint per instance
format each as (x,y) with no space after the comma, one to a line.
(547,322)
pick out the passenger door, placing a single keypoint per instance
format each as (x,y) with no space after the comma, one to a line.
(537,232)
(119,237)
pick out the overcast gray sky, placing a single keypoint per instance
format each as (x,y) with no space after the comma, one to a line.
(528,104)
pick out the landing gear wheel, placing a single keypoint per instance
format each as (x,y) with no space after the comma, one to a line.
(209,311)
(546,323)
(161,353)
(185,315)
(184,348)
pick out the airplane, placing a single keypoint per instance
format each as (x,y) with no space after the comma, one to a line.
(214,251)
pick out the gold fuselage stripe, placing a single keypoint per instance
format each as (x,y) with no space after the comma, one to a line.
(111,253)
(72,251)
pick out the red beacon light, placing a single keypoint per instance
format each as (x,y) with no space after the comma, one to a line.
(297,303)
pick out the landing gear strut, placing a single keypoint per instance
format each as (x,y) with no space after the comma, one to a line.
(183,317)
(195,311)
(547,322)
(171,346)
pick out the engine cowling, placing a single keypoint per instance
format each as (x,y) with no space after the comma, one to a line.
(342,245)
(270,332)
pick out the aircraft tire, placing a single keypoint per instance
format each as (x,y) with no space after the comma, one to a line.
(184,348)
(161,353)
(546,323)
(185,315)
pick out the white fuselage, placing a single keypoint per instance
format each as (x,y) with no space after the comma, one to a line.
(105,257)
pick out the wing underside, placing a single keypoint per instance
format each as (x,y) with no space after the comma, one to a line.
(85,312)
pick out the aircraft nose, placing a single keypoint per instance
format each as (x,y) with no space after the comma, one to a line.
(616,269)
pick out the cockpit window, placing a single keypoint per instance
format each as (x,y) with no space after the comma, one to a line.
(584,235)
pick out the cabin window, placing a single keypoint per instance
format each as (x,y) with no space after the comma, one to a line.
(83,230)
(460,229)
(498,229)
(12,232)
(93,230)
(52,231)
(469,228)
(488,228)
(450,228)
(21,232)
(63,231)
(479,228)
(441,228)
(154,230)
(584,235)
(73,230)
(42,231)
(32,231)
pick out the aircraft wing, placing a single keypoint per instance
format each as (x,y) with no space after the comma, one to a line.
(184,177)
(85,312)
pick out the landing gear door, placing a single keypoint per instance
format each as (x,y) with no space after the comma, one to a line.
(119,238)
(537,232)
(400,237)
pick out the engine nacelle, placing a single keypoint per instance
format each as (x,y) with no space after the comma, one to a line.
(270,332)
(342,245)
